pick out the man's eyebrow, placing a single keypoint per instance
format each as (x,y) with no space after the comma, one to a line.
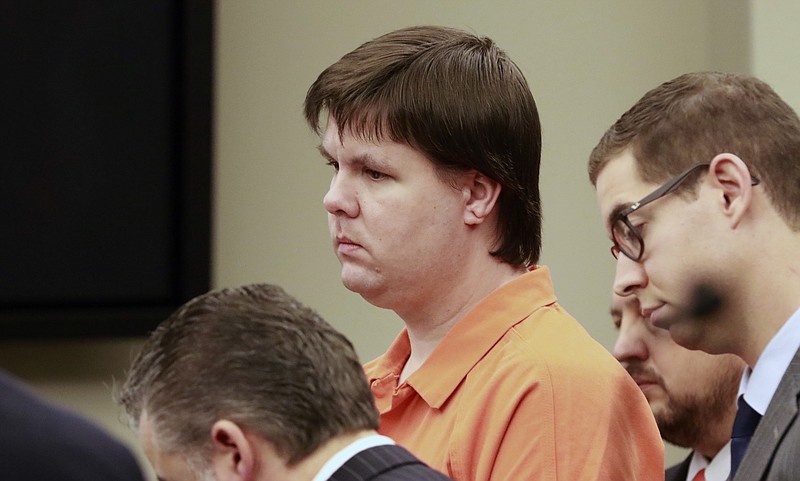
(612,216)
(364,159)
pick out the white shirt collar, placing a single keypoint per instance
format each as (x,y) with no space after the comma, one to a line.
(337,460)
(717,470)
(760,383)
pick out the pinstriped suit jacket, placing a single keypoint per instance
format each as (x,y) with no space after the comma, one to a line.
(774,450)
(386,463)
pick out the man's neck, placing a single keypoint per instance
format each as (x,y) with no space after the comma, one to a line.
(425,333)
(768,305)
(772,293)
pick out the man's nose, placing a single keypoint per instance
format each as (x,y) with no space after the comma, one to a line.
(342,196)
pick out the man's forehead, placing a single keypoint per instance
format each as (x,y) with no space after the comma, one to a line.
(330,137)
(369,133)
(333,140)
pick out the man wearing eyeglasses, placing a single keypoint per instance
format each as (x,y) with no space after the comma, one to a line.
(699,188)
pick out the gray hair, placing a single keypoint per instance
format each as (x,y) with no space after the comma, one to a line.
(255,356)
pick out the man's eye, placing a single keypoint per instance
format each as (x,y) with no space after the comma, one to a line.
(628,235)
(631,233)
(374,174)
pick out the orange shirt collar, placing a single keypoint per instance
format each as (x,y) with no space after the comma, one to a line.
(470,339)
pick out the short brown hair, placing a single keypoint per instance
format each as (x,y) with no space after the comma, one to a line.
(253,355)
(457,98)
(696,116)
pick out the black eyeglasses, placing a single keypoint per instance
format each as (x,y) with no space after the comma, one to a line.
(627,238)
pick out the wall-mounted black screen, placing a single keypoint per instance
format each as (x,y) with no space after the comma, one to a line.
(105,139)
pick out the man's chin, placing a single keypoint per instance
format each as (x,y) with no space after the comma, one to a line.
(663,418)
(350,285)
(369,289)
(356,278)
(685,335)
(658,404)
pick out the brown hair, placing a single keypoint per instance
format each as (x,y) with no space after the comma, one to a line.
(458,99)
(253,355)
(696,116)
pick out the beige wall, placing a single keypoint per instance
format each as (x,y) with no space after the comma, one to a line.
(774,46)
(586,62)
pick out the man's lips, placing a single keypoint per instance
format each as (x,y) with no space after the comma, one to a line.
(644,381)
(344,240)
(345,245)
(646,312)
(642,375)
(654,315)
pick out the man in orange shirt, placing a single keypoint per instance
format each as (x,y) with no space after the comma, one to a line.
(434,212)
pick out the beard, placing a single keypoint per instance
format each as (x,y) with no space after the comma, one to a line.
(687,419)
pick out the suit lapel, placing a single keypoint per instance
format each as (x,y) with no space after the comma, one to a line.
(780,414)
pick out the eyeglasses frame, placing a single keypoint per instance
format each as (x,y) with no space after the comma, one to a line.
(666,188)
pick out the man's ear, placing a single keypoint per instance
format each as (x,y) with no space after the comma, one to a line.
(482,194)
(730,175)
(233,457)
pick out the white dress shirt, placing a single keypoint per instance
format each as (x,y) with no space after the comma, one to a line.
(344,455)
(717,470)
(760,383)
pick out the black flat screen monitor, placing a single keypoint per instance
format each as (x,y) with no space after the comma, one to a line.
(106,164)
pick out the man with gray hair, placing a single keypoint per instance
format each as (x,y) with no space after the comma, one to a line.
(247,384)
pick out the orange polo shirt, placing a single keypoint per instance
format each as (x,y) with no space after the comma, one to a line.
(518,390)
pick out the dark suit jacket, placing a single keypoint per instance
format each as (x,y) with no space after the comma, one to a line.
(680,470)
(386,463)
(39,441)
(774,450)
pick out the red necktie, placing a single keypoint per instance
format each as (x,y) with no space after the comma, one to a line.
(700,476)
